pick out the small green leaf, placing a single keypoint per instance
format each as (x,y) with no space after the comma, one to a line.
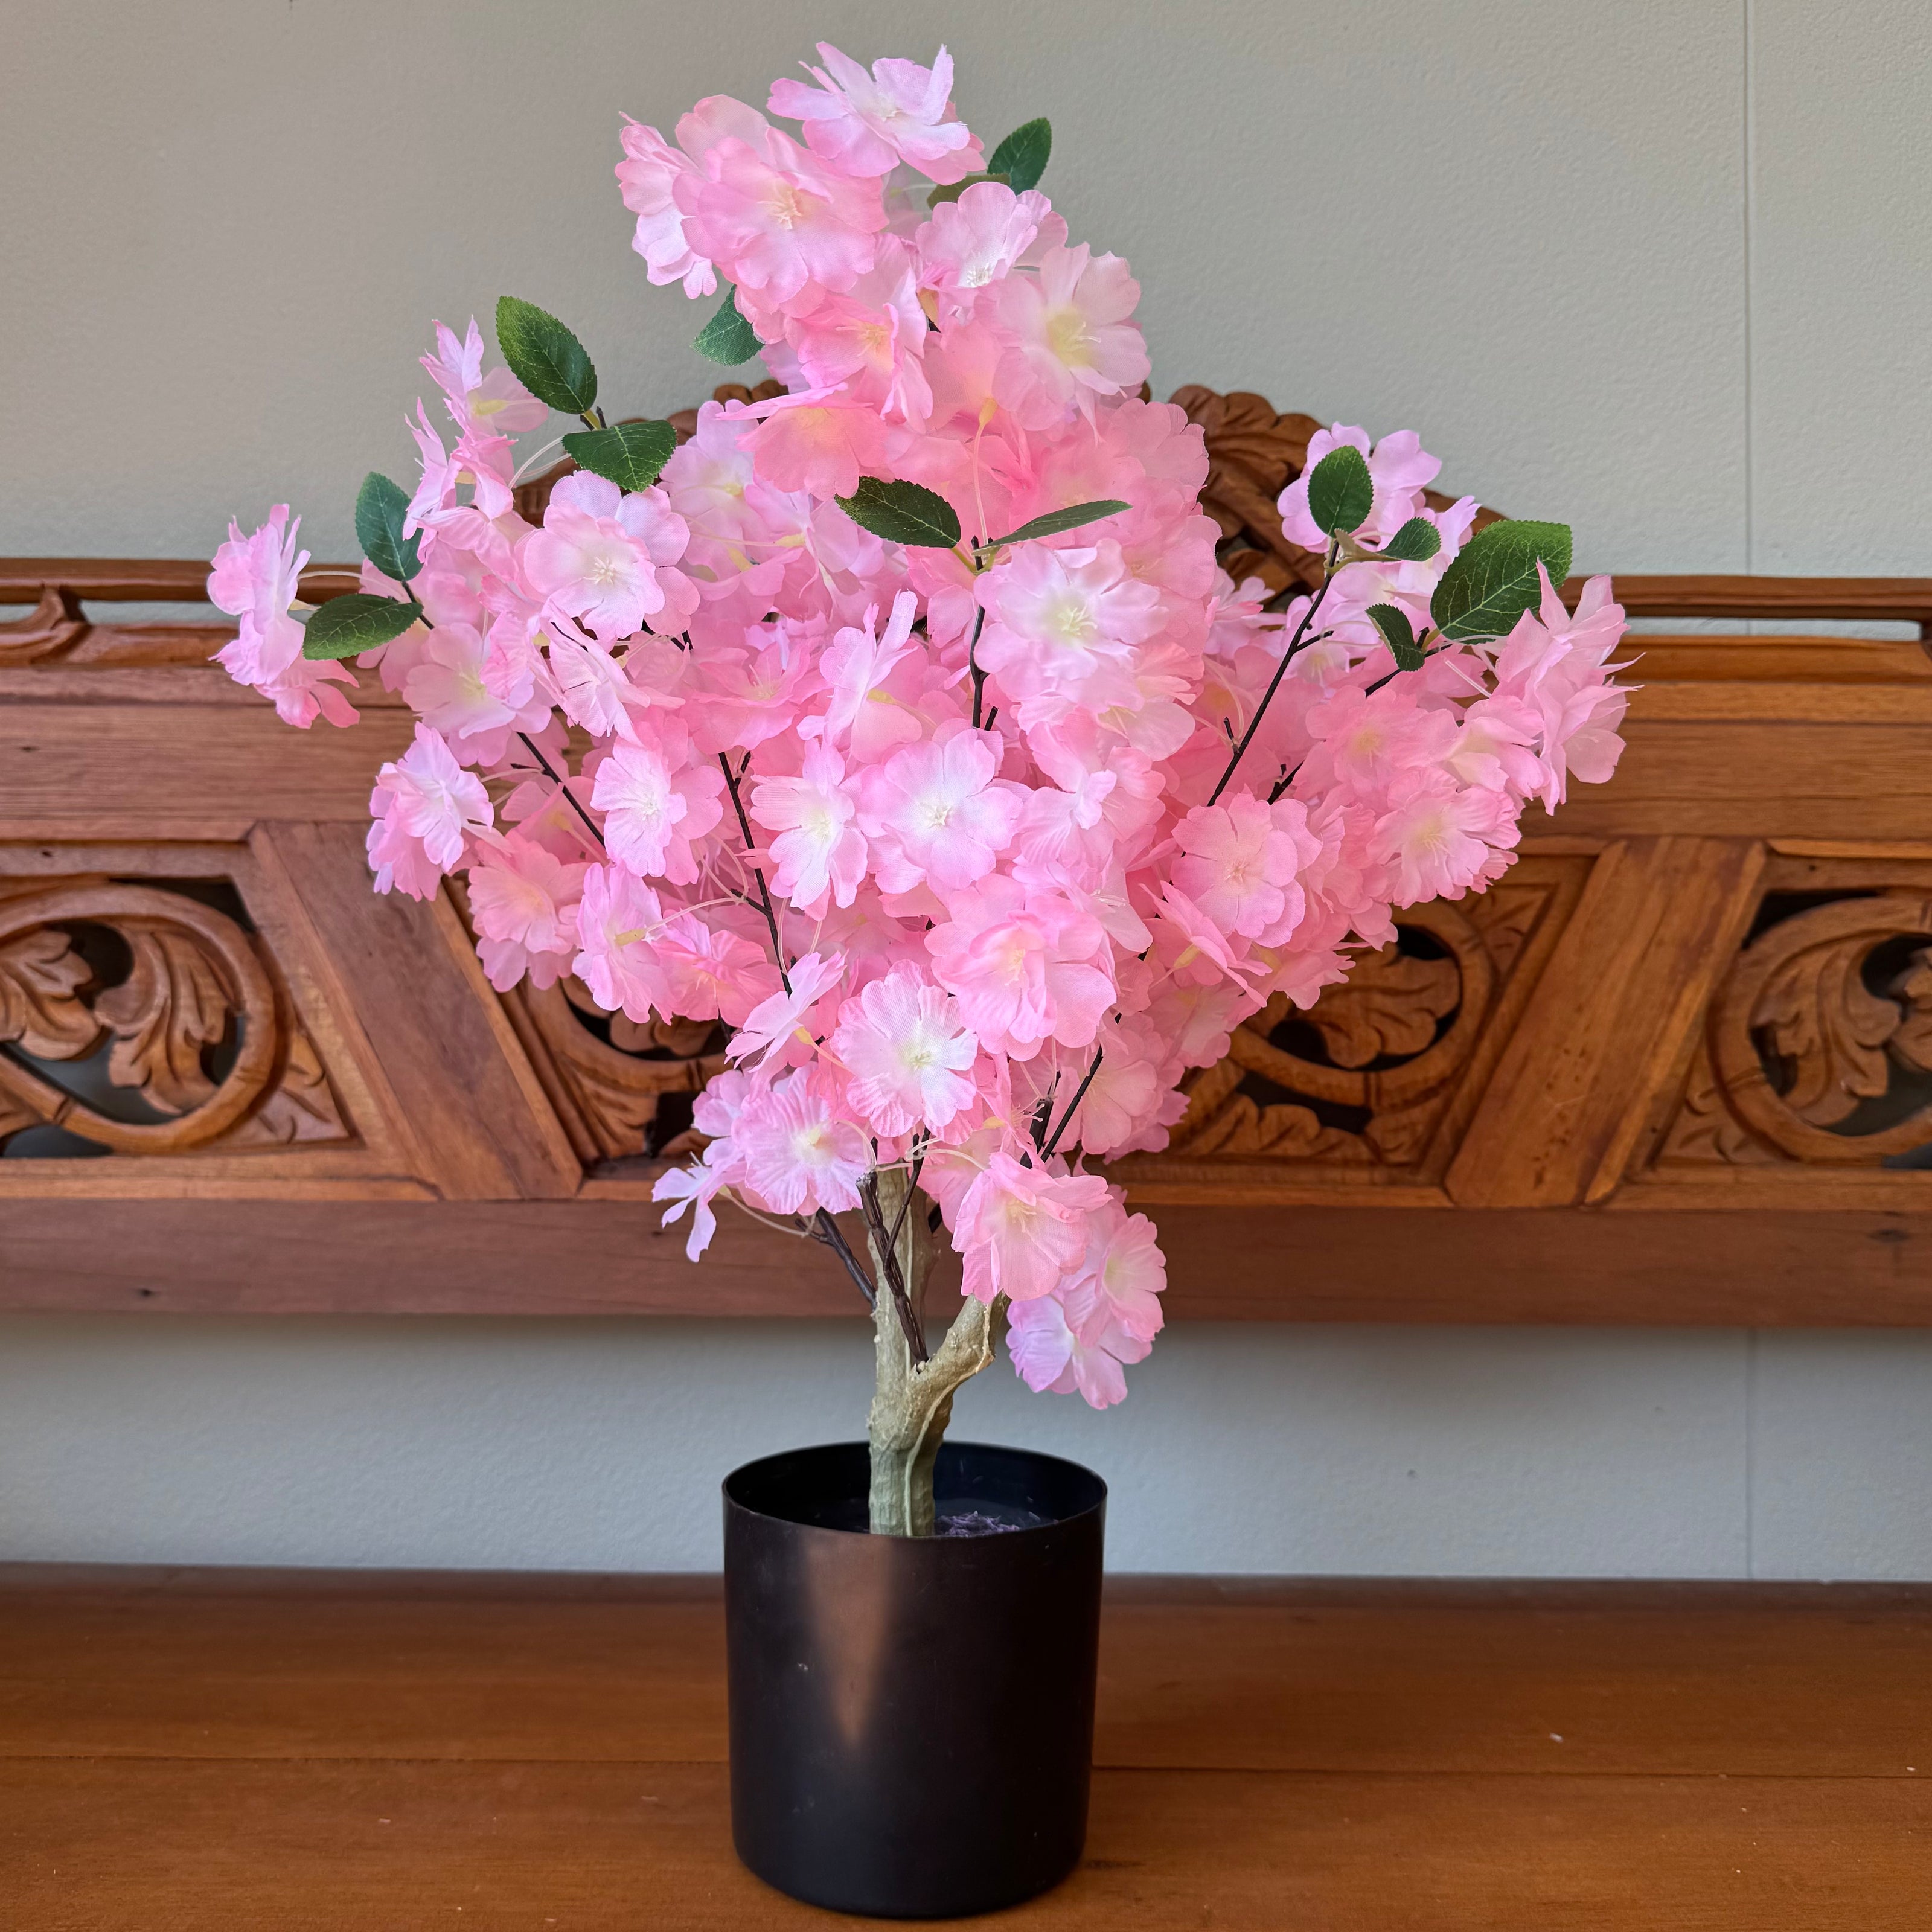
(382,508)
(345,627)
(1340,495)
(1054,521)
(952,191)
(1394,625)
(902,513)
(1416,542)
(1022,156)
(1493,580)
(545,357)
(728,337)
(630,454)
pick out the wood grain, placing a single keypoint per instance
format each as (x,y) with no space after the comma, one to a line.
(1759,1263)
(1549,1102)
(1848,598)
(1629,981)
(482,1126)
(277,1752)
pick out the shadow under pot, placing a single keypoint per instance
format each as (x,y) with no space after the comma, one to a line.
(912,1718)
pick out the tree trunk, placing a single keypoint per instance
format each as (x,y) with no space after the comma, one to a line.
(912,1399)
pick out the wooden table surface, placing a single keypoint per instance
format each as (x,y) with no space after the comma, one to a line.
(187,1751)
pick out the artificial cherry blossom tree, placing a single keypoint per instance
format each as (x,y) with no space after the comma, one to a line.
(905,725)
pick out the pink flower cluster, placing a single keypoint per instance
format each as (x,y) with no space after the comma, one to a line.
(958,841)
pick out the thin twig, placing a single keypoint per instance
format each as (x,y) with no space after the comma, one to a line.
(750,845)
(889,1263)
(791,1225)
(1369,690)
(828,1230)
(912,1187)
(1046,1152)
(562,785)
(1294,646)
(973,659)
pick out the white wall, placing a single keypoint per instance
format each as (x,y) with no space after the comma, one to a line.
(1659,268)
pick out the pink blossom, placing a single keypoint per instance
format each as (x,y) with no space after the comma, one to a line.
(1440,837)
(1124,1263)
(597,556)
(816,443)
(448,686)
(1072,339)
(1556,667)
(775,219)
(254,578)
(864,124)
(1238,864)
(1123,1105)
(1023,1229)
(979,239)
(425,806)
(523,901)
(935,813)
(497,404)
(1399,467)
(861,659)
(779,1028)
(1064,621)
(647,174)
(800,1155)
(986,889)
(303,692)
(909,1053)
(819,850)
(696,1187)
(711,971)
(656,806)
(619,920)
(869,342)
(1073,1341)
(1025,967)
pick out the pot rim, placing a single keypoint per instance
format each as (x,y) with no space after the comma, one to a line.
(1008,1539)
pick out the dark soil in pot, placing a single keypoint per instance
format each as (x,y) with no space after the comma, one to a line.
(912,1718)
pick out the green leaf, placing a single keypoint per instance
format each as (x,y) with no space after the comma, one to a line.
(630,454)
(1416,542)
(902,513)
(952,191)
(1394,625)
(1340,495)
(728,337)
(1021,157)
(381,509)
(345,627)
(545,357)
(1493,581)
(1054,521)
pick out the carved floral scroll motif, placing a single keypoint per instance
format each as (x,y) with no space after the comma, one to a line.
(1818,1047)
(1363,1080)
(621,1090)
(139,1020)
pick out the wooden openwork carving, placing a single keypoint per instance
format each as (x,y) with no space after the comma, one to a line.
(1364,1084)
(1817,1050)
(139,1020)
(231,1076)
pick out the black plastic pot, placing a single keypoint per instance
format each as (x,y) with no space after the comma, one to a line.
(912,1718)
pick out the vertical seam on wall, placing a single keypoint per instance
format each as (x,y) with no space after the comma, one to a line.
(1749,216)
(1750,1454)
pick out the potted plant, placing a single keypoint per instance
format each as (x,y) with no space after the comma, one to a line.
(903,725)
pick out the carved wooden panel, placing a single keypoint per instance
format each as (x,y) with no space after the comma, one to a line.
(1676,1065)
